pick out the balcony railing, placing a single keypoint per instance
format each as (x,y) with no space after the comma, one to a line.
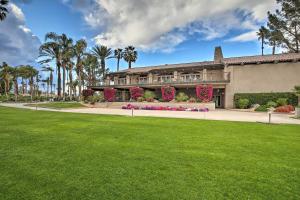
(209,77)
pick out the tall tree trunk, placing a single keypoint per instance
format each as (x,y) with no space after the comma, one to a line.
(70,81)
(129,64)
(31,87)
(16,89)
(296,38)
(58,80)
(64,81)
(103,67)
(262,46)
(118,64)
(23,86)
(79,83)
(273,50)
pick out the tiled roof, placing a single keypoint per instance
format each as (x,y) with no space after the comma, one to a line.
(167,66)
(286,57)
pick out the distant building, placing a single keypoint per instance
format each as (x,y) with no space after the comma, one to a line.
(249,74)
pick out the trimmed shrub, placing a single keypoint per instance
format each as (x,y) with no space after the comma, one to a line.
(282,101)
(149,96)
(181,97)
(192,100)
(243,103)
(264,98)
(262,108)
(140,99)
(271,104)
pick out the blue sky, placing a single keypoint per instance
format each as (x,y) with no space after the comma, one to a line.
(163,32)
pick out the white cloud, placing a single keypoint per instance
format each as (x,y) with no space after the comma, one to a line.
(245,37)
(18,45)
(162,25)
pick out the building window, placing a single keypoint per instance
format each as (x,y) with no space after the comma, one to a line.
(190,77)
(165,78)
(122,81)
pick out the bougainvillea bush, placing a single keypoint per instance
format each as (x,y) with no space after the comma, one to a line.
(285,109)
(87,93)
(168,93)
(136,92)
(204,93)
(109,94)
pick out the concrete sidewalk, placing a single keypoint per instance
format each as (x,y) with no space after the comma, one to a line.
(226,115)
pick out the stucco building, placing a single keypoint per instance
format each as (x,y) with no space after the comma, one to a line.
(249,74)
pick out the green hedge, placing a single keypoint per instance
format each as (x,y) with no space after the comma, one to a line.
(264,98)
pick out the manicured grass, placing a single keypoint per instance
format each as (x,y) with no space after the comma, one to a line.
(57,105)
(49,155)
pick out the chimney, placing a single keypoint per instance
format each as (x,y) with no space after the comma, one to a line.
(218,55)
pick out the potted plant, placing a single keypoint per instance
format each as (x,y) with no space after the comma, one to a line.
(297,109)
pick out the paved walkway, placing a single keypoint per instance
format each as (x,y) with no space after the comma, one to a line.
(227,115)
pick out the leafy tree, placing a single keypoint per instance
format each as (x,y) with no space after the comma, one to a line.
(287,22)
(91,69)
(118,55)
(130,55)
(3,9)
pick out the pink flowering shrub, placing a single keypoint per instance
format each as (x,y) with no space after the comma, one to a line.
(168,93)
(87,93)
(136,92)
(168,108)
(109,94)
(204,93)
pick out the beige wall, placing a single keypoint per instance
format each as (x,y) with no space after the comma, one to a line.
(281,77)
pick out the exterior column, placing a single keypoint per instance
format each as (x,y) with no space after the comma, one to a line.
(204,74)
(225,73)
(175,74)
(116,80)
(127,80)
(107,80)
(150,78)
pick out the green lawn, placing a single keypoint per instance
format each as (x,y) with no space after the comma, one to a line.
(49,155)
(57,105)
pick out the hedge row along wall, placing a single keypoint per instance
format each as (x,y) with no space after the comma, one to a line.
(263,98)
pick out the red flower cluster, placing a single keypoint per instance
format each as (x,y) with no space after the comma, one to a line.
(204,92)
(136,92)
(285,109)
(168,93)
(87,93)
(109,94)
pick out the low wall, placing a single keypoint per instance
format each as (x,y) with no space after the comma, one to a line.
(210,106)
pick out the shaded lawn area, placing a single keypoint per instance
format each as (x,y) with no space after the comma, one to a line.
(49,155)
(57,105)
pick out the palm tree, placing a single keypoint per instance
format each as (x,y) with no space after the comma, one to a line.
(102,53)
(67,54)
(262,34)
(15,72)
(91,65)
(130,55)
(50,70)
(70,69)
(50,51)
(32,73)
(118,56)
(5,74)
(79,51)
(3,9)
